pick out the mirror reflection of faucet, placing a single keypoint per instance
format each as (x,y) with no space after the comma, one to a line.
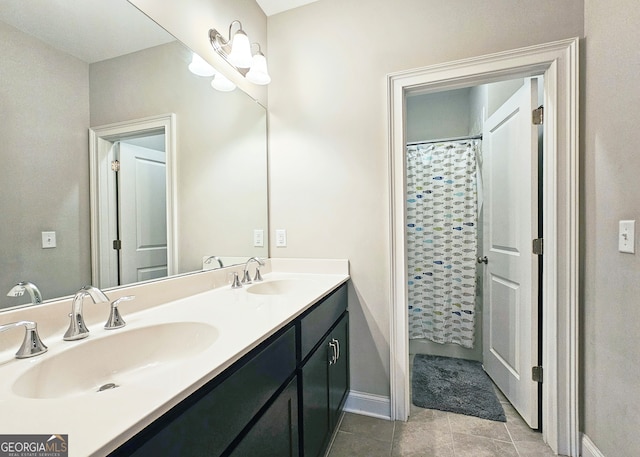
(209,260)
(77,328)
(19,289)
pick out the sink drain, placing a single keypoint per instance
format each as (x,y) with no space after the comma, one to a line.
(107,386)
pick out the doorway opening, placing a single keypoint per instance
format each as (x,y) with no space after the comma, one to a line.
(133,201)
(557,62)
(473,168)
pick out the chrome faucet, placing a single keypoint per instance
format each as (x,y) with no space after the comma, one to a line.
(212,258)
(77,328)
(19,289)
(32,345)
(246,277)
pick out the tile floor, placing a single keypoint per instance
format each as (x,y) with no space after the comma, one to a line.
(433,433)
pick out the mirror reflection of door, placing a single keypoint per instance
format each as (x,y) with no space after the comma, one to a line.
(133,210)
(142,210)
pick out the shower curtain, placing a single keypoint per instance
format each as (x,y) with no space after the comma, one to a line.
(442,222)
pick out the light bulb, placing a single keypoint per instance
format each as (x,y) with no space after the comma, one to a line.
(258,74)
(200,67)
(240,55)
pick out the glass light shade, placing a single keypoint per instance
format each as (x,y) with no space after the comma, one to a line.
(221,83)
(258,74)
(240,55)
(200,67)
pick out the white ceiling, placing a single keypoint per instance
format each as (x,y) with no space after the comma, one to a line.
(271,7)
(91,30)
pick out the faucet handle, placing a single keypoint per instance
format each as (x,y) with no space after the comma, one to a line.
(115,320)
(236,284)
(257,277)
(32,345)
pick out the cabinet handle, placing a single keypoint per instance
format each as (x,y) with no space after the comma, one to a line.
(337,345)
(333,357)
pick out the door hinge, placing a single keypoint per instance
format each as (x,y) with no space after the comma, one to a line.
(538,115)
(536,374)
(538,246)
(115,165)
(117,245)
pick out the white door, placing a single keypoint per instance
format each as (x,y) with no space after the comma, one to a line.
(142,213)
(510,312)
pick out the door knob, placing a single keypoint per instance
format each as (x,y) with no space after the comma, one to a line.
(483,259)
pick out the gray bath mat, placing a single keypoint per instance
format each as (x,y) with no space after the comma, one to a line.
(456,385)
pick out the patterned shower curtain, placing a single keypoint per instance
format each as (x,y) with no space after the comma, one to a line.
(442,220)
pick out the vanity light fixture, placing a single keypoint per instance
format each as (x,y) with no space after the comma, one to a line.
(236,50)
(258,73)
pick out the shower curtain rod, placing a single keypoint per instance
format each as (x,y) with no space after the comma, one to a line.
(443,140)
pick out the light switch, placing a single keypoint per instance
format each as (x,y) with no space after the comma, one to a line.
(627,236)
(48,240)
(258,238)
(281,238)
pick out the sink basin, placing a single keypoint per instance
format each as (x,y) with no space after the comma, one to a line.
(281,286)
(94,365)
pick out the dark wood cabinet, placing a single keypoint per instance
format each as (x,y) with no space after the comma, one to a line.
(316,421)
(282,399)
(324,387)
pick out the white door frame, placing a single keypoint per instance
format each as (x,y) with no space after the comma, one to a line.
(558,62)
(103,263)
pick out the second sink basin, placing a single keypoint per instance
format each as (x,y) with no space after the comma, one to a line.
(113,360)
(281,286)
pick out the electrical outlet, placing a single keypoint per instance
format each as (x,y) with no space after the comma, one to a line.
(281,238)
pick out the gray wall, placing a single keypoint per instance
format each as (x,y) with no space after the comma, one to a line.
(610,311)
(439,115)
(38,147)
(328,128)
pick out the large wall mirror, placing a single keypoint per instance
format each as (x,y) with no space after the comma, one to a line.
(93,85)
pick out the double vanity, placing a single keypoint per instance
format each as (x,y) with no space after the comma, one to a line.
(200,368)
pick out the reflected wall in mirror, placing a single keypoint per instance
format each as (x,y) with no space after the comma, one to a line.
(65,71)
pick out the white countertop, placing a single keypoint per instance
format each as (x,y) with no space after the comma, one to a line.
(98,422)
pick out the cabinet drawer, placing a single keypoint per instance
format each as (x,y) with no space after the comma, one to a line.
(207,422)
(320,319)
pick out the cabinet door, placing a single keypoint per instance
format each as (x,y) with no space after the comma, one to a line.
(276,432)
(316,421)
(339,371)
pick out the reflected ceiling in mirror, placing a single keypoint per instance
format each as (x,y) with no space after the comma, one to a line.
(73,65)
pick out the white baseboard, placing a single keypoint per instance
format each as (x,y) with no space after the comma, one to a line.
(588,449)
(368,405)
